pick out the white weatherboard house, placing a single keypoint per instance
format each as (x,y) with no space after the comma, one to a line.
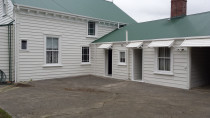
(47,39)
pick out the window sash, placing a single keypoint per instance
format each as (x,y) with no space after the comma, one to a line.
(85,54)
(164,59)
(91,28)
(24,45)
(52,50)
(122,57)
(52,43)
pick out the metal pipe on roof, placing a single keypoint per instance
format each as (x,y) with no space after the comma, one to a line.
(126,34)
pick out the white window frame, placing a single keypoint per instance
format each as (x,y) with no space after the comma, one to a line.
(4,7)
(59,64)
(86,63)
(157,71)
(119,57)
(26,45)
(96,30)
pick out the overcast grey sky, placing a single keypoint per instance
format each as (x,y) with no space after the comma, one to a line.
(147,10)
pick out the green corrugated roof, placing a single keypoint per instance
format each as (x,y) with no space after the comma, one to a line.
(100,9)
(188,26)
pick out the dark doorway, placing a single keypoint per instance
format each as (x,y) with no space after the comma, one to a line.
(200,67)
(109,62)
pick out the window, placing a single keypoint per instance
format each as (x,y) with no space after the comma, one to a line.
(52,50)
(122,57)
(85,55)
(164,59)
(91,28)
(4,7)
(24,45)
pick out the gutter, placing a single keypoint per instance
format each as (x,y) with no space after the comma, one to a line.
(163,39)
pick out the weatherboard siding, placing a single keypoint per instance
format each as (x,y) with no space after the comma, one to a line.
(179,79)
(4,54)
(119,71)
(73,35)
(98,65)
(98,60)
(4,63)
(9,10)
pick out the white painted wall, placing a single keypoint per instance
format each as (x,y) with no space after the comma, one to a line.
(4,63)
(179,79)
(118,71)
(73,35)
(6,19)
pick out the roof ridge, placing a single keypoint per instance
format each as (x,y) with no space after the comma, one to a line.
(176,18)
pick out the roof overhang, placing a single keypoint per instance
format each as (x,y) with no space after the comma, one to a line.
(105,46)
(154,44)
(28,9)
(196,43)
(135,45)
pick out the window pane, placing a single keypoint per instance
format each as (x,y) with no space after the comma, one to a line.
(49,57)
(23,45)
(164,59)
(49,43)
(85,54)
(55,57)
(91,25)
(85,51)
(91,28)
(55,43)
(85,58)
(161,64)
(91,32)
(167,52)
(122,60)
(122,56)
(167,64)
(88,50)
(161,52)
(52,53)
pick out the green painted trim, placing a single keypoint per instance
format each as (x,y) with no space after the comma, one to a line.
(10,51)
(9,47)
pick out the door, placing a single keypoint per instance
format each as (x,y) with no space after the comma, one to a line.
(137,64)
(108,63)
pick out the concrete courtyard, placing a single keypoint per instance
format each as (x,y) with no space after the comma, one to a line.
(95,97)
